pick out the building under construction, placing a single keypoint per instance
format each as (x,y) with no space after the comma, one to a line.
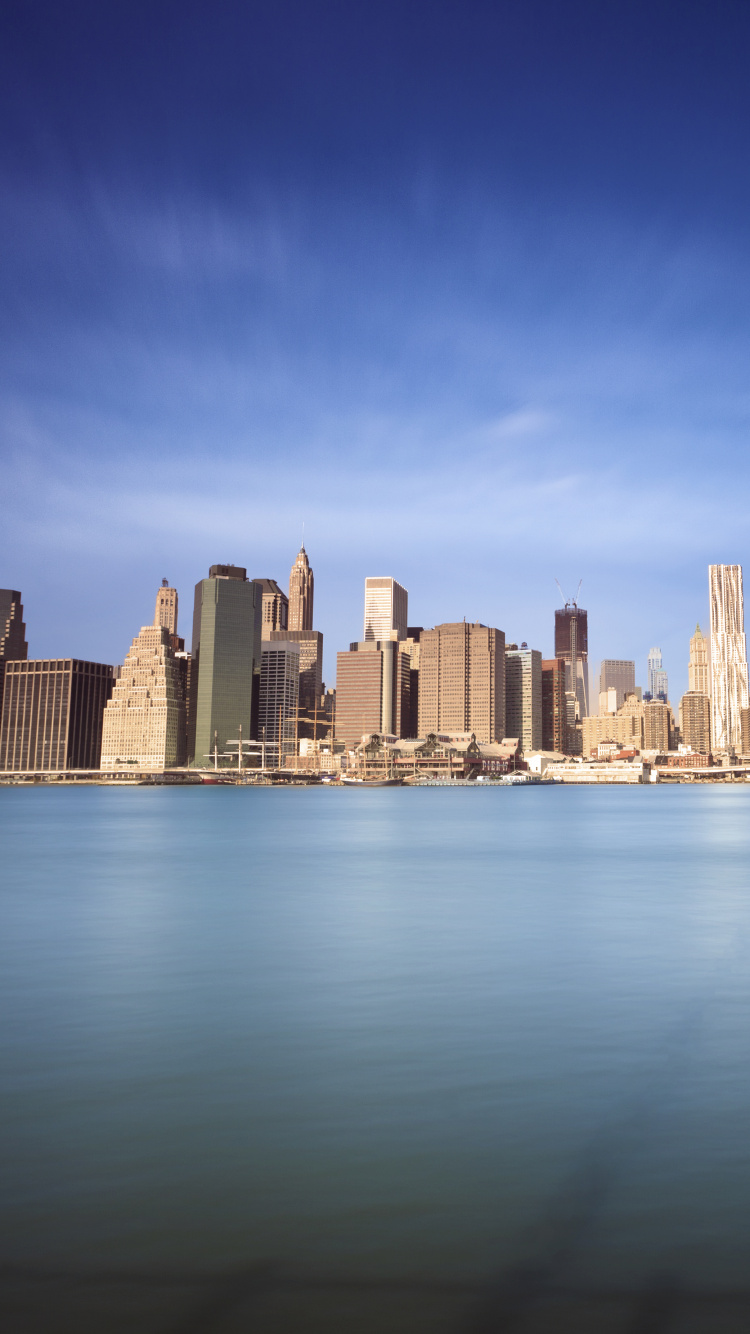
(572,644)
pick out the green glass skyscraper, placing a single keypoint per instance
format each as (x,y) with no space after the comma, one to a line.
(225,660)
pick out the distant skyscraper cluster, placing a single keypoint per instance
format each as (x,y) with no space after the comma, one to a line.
(252,678)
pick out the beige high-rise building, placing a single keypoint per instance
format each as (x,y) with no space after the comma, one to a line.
(166,607)
(523,697)
(729,684)
(695,720)
(608,701)
(386,609)
(144,721)
(699,666)
(301,589)
(645,724)
(275,614)
(462,681)
(657,726)
(632,704)
(624,728)
(372,690)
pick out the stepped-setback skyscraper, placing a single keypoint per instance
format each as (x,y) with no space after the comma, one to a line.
(729,686)
(144,721)
(13,646)
(301,590)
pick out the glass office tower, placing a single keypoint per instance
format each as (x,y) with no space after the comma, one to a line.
(226,657)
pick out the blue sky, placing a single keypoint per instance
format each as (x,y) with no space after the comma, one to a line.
(462,287)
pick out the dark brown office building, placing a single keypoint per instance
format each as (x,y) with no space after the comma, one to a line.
(554,705)
(52,714)
(412,645)
(13,646)
(572,644)
(571,632)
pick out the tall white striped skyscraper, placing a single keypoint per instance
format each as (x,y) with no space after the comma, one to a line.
(728,655)
(386,609)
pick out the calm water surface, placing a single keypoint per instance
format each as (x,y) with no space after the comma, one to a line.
(375,1061)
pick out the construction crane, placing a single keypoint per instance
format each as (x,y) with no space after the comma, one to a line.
(569,602)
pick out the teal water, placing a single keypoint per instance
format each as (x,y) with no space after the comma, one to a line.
(375,1061)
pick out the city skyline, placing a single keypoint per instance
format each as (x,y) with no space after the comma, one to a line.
(273,592)
(246,673)
(480,248)
(374,912)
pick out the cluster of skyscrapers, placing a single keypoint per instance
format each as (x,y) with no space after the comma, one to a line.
(714,716)
(252,681)
(253,672)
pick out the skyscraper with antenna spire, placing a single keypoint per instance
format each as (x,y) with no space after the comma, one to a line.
(301,589)
(300,631)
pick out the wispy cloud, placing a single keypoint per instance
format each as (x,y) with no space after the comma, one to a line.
(237,374)
(83,499)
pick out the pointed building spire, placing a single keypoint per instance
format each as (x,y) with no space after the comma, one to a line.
(301,588)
